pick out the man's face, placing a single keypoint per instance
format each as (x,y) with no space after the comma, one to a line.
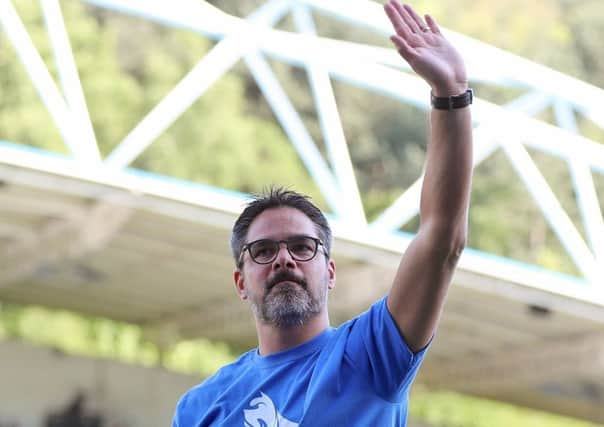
(284,292)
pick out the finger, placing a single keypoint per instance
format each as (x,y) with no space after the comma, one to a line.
(407,19)
(399,25)
(432,24)
(403,47)
(416,18)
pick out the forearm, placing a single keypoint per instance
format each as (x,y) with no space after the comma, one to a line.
(448,172)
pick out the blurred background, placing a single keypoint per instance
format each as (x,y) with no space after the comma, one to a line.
(131,133)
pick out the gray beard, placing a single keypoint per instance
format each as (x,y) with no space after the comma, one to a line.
(291,305)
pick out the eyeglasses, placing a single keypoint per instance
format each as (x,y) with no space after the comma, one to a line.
(264,251)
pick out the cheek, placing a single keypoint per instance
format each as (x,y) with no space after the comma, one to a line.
(256,276)
(318,274)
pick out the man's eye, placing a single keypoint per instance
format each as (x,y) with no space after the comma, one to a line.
(263,250)
(301,247)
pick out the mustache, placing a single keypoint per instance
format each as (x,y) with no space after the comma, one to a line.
(285,276)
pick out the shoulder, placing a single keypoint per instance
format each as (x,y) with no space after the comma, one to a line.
(377,312)
(353,334)
(377,324)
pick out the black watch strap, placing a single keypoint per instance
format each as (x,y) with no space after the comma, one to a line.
(452,102)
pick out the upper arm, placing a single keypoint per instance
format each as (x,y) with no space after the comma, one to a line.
(421,282)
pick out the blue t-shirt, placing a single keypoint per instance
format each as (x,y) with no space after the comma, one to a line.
(358,374)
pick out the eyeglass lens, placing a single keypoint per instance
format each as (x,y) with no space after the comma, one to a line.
(300,248)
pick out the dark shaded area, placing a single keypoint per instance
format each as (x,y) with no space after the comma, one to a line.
(539,311)
(74,415)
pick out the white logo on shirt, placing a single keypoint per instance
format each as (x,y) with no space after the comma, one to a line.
(264,413)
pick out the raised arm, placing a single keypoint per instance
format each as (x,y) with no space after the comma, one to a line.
(424,274)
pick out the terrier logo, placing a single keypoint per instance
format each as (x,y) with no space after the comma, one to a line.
(264,414)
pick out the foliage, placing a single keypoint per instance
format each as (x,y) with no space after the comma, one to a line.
(108,339)
(126,66)
(448,409)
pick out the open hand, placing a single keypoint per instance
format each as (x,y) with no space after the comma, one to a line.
(426,50)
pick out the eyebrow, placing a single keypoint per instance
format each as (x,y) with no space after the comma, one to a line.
(293,236)
(305,235)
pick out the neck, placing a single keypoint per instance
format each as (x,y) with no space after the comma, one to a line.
(272,339)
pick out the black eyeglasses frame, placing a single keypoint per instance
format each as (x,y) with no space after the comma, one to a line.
(318,242)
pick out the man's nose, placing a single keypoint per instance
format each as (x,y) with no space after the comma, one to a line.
(284,258)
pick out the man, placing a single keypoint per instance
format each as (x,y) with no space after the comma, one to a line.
(305,373)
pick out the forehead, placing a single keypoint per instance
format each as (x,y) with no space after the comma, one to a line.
(279,223)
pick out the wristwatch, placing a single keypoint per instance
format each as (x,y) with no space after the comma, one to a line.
(452,102)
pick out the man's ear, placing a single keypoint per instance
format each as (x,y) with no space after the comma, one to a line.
(331,271)
(239,283)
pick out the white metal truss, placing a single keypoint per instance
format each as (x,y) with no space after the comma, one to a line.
(510,127)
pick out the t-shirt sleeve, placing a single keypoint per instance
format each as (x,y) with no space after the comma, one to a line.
(184,415)
(177,412)
(188,407)
(379,352)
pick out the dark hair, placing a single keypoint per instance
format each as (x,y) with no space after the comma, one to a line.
(277,197)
